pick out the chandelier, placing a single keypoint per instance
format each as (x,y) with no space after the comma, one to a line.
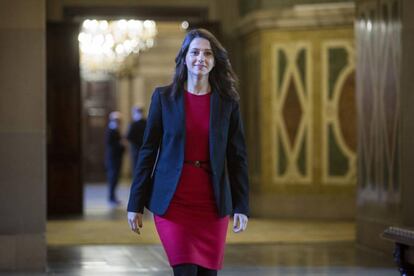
(105,45)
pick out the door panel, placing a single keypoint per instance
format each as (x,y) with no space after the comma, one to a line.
(64,168)
(98,101)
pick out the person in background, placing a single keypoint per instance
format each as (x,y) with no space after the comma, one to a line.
(192,167)
(114,151)
(136,133)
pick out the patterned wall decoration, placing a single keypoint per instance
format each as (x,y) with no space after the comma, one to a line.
(338,112)
(379,48)
(292,104)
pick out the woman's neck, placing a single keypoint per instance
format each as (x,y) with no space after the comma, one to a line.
(197,85)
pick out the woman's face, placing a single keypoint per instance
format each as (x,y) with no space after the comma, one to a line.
(199,58)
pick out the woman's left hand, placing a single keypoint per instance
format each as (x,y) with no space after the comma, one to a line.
(239,222)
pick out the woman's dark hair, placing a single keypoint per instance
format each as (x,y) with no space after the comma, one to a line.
(221,78)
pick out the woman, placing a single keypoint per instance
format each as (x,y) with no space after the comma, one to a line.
(192,167)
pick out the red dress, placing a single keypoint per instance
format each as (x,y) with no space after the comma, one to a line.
(191,230)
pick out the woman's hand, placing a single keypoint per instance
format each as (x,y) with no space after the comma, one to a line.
(239,222)
(135,221)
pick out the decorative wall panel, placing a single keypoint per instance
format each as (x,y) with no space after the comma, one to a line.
(338,112)
(292,106)
(299,101)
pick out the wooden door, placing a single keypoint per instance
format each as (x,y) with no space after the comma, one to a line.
(98,101)
(64,168)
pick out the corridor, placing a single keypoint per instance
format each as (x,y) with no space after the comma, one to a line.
(101,244)
(326,107)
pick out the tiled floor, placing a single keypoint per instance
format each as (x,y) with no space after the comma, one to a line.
(273,258)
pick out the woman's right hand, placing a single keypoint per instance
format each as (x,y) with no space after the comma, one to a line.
(135,221)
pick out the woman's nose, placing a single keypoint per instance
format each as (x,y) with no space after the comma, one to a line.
(201,57)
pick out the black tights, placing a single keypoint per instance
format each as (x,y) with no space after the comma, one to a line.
(193,270)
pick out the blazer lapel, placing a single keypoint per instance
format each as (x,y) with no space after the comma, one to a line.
(179,105)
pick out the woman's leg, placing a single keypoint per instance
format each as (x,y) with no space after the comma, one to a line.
(185,270)
(202,271)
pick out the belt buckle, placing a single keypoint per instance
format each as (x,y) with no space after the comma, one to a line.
(197,164)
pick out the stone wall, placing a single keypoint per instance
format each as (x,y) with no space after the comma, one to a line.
(22,135)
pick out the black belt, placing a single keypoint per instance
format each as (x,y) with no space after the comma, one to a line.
(205,165)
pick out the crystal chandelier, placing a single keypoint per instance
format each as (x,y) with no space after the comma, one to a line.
(105,45)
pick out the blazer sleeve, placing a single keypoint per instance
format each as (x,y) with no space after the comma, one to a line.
(141,183)
(237,163)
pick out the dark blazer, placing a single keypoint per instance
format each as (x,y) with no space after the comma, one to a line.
(114,149)
(135,133)
(166,131)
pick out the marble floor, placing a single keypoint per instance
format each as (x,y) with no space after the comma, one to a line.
(247,259)
(304,257)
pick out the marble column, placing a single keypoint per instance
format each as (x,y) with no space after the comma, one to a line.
(385,94)
(22,135)
(124,86)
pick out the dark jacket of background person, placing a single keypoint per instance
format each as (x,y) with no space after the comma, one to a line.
(135,137)
(113,158)
(166,130)
(114,147)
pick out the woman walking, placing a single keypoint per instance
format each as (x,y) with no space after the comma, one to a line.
(192,167)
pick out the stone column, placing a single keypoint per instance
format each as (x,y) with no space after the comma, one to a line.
(22,135)
(138,97)
(385,90)
(124,86)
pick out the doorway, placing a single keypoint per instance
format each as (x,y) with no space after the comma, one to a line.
(75,118)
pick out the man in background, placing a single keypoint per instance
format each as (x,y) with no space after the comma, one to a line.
(136,133)
(113,154)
